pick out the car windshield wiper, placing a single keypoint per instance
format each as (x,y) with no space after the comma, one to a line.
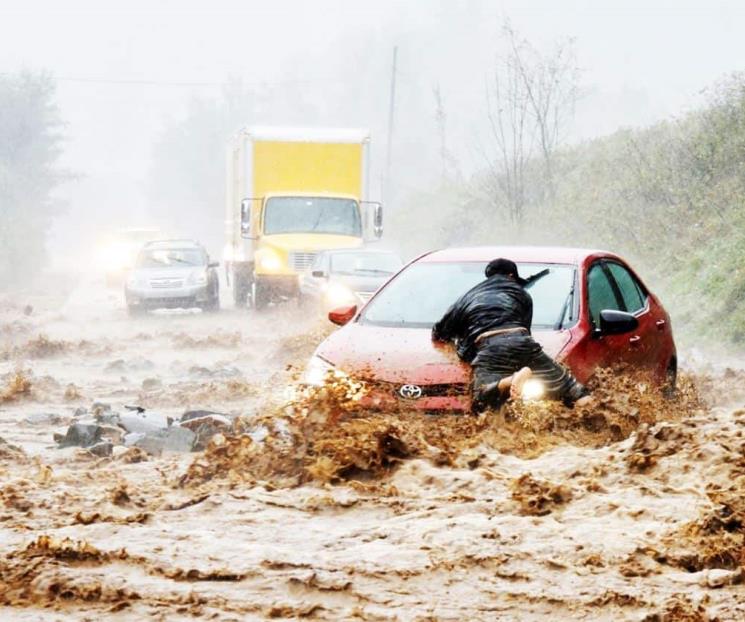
(560,320)
(371,271)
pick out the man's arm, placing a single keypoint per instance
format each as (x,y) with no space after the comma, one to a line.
(448,328)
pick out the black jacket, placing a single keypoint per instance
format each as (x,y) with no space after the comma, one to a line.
(496,303)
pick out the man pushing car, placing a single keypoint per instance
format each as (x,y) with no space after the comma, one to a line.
(490,325)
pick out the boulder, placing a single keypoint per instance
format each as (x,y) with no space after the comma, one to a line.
(80,435)
(174,438)
(43,419)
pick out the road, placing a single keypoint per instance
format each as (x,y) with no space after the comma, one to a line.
(507,519)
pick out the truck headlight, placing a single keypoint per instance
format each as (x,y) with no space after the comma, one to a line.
(270,261)
(339,295)
(533,389)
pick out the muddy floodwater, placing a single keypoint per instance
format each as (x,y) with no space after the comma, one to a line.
(632,511)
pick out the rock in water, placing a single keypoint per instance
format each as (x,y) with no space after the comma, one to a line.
(43,419)
(80,435)
(170,439)
(104,449)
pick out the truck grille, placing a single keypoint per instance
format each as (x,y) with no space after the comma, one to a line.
(300,262)
(166,283)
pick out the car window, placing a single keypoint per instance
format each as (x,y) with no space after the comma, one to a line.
(601,295)
(630,289)
(361,263)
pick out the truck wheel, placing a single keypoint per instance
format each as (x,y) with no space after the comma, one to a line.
(260,295)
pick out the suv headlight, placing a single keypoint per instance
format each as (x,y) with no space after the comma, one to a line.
(197,278)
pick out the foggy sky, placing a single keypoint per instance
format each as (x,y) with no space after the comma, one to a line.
(125,69)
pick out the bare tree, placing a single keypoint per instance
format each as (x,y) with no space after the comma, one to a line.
(529,101)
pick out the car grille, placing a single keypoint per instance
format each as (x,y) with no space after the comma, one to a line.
(428,390)
(301,261)
(166,283)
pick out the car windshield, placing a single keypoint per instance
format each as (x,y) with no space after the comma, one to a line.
(373,264)
(312,215)
(419,296)
(163,257)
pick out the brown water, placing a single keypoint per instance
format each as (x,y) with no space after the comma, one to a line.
(632,510)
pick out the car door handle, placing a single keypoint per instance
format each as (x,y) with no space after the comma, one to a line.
(635,340)
(660,324)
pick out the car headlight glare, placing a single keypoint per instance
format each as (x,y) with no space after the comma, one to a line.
(533,389)
(318,372)
(338,295)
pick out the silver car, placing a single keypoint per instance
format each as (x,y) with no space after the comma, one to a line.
(346,277)
(172,273)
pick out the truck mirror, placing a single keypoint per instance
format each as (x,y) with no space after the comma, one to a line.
(246,218)
(378,220)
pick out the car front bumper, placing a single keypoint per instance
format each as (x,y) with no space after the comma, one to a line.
(167,297)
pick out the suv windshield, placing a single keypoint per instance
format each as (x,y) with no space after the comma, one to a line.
(419,296)
(375,264)
(312,215)
(163,257)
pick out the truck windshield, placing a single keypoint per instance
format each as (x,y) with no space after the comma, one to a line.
(312,215)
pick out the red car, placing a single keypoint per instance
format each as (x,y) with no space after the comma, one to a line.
(591,310)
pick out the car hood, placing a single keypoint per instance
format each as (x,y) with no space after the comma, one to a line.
(360,283)
(171,272)
(408,355)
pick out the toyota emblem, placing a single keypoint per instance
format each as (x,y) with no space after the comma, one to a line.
(410,392)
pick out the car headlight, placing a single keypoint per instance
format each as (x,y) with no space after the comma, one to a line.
(338,295)
(318,371)
(269,260)
(135,282)
(197,278)
(115,256)
(533,389)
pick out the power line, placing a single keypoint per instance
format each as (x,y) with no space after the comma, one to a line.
(167,83)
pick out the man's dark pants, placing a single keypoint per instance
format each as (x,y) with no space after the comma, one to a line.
(502,355)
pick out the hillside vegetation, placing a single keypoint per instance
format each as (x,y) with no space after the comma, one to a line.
(670,197)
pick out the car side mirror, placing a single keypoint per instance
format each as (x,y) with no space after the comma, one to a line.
(342,315)
(616,322)
(213,264)
(319,274)
(378,220)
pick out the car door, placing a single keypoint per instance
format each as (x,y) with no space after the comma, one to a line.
(644,342)
(602,294)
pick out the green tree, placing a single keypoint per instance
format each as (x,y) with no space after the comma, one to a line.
(30,145)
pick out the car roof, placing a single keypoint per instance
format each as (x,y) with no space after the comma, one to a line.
(518,254)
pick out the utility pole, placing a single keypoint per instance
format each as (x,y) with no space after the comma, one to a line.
(391,114)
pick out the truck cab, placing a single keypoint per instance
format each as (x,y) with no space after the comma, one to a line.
(291,194)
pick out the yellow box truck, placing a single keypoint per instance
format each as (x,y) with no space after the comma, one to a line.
(291,193)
